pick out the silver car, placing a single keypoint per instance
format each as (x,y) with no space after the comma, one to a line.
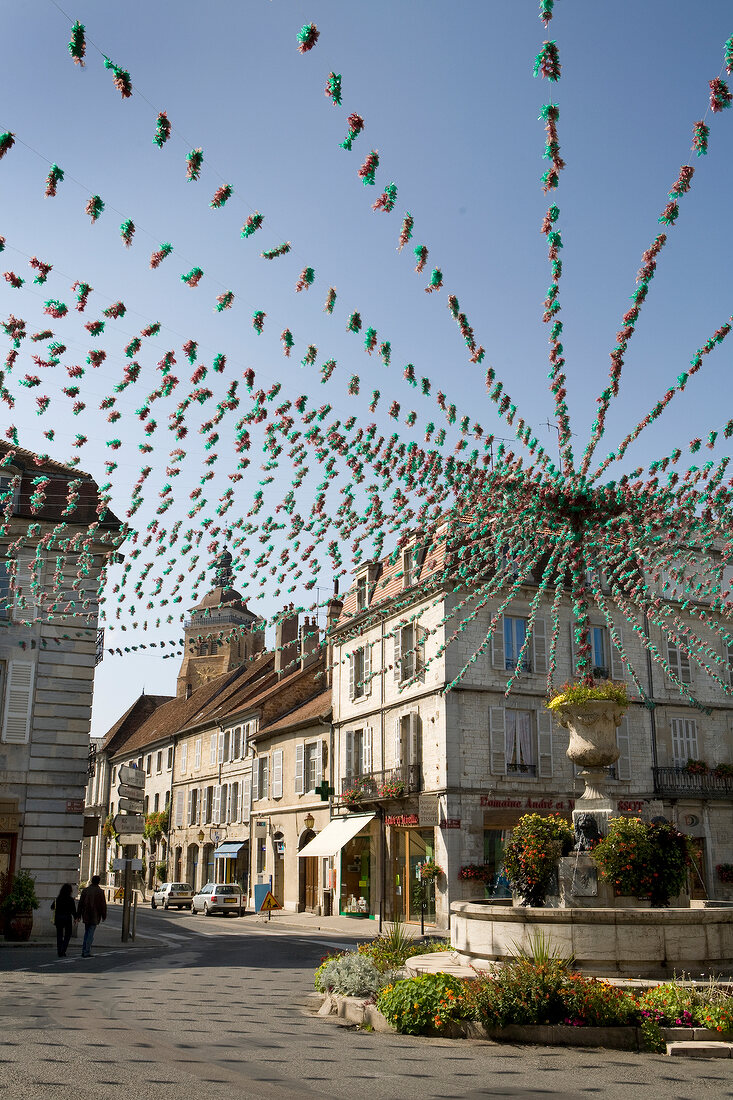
(179,894)
(219,897)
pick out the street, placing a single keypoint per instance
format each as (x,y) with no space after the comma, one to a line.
(219,1007)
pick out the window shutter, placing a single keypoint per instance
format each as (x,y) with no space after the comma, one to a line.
(184,758)
(246,796)
(300,768)
(367,752)
(352,675)
(544,743)
(319,762)
(728,658)
(497,745)
(199,803)
(265,777)
(414,737)
(623,764)
(216,815)
(349,747)
(617,665)
(212,750)
(497,646)
(197,754)
(25,607)
(368,669)
(179,809)
(18,702)
(234,808)
(685,668)
(255,780)
(220,754)
(189,815)
(691,737)
(420,652)
(398,742)
(277,773)
(539,646)
(398,653)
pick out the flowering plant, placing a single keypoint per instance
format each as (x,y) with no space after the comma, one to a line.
(531,856)
(644,859)
(723,771)
(476,872)
(696,767)
(430,869)
(392,788)
(361,789)
(584,693)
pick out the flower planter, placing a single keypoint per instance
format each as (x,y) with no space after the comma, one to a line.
(18,927)
(593,748)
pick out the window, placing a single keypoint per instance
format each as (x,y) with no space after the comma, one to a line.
(233,809)
(169,762)
(409,652)
(5,597)
(360,670)
(313,765)
(167,798)
(599,652)
(216,817)
(277,773)
(208,806)
(146,804)
(156,803)
(237,743)
(226,746)
(220,751)
(260,778)
(362,596)
(684,740)
(193,797)
(411,563)
(261,855)
(114,770)
(184,758)
(159,762)
(149,764)
(197,754)
(679,662)
(179,809)
(520,743)
(515,633)
(358,752)
(246,796)
(408,742)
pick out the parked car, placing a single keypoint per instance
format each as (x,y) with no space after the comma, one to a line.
(179,894)
(219,897)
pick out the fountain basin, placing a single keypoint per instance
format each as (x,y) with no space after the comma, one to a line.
(649,943)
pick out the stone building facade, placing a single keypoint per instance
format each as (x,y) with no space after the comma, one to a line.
(62,536)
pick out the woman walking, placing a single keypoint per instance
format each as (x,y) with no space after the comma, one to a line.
(64,912)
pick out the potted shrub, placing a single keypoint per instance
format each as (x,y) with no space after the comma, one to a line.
(17,907)
(591,712)
(645,859)
(531,857)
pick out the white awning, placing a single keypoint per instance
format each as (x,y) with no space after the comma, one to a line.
(337,833)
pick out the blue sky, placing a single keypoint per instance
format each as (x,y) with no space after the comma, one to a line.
(449,100)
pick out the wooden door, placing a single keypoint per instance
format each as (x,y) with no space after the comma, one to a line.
(311,883)
(278,887)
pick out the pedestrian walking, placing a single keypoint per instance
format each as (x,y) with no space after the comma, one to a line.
(64,914)
(92,910)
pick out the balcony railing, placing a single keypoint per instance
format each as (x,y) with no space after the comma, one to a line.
(392,783)
(679,783)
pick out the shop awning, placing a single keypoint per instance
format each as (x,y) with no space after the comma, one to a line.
(337,833)
(229,850)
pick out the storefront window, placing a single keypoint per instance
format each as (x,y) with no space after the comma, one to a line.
(410,849)
(495,841)
(356,876)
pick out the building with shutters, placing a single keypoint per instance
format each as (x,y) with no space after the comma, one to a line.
(445,775)
(61,534)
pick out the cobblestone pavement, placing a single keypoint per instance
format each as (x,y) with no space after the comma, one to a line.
(217,1008)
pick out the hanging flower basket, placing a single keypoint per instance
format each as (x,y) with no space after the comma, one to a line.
(476,872)
(429,870)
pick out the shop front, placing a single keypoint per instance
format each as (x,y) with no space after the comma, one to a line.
(410,846)
(231,862)
(500,815)
(351,844)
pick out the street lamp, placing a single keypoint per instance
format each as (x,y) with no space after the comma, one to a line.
(309,821)
(202,836)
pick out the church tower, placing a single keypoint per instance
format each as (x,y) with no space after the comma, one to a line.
(221,634)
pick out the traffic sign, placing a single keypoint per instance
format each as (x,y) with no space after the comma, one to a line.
(269,902)
(129,823)
(130,838)
(132,805)
(134,776)
(135,794)
(120,864)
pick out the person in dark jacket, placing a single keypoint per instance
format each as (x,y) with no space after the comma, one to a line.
(64,912)
(92,910)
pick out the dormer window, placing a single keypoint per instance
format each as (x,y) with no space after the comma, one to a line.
(362,594)
(411,564)
(9,490)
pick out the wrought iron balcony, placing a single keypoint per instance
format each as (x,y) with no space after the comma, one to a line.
(679,783)
(380,786)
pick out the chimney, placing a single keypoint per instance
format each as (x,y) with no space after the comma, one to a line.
(286,642)
(308,642)
(333,611)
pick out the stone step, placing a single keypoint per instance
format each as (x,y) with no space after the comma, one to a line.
(438,962)
(699,1050)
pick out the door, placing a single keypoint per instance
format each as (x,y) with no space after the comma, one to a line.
(7,860)
(311,883)
(420,848)
(278,886)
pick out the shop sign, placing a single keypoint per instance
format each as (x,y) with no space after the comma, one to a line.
(402,819)
(450,823)
(428,809)
(528,804)
(75,805)
(630,805)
